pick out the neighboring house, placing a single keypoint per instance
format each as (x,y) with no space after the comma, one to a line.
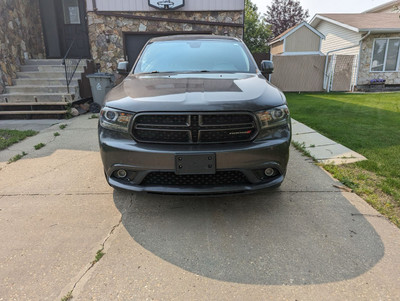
(388,7)
(373,37)
(301,39)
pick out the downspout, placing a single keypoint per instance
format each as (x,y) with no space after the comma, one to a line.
(340,49)
(94,4)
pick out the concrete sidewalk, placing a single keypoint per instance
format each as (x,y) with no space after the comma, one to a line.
(29,124)
(323,149)
(308,240)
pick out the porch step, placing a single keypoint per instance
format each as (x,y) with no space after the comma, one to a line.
(38,97)
(40,89)
(44,62)
(41,81)
(42,74)
(48,68)
(33,110)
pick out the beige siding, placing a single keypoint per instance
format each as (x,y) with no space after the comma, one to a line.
(142,5)
(277,48)
(302,40)
(338,37)
(299,73)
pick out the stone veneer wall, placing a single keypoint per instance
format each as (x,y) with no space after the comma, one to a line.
(108,54)
(20,32)
(364,75)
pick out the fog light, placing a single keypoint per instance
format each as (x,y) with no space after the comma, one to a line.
(121,173)
(269,172)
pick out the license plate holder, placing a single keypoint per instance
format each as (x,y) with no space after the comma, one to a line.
(195,164)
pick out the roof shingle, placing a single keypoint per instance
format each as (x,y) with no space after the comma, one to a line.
(367,21)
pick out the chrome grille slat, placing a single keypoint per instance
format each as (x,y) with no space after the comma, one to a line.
(194,128)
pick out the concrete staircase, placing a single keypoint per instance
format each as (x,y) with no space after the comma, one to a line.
(40,90)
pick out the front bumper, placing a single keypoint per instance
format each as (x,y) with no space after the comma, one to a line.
(120,151)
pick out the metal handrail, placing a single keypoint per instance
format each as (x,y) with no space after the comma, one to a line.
(70,65)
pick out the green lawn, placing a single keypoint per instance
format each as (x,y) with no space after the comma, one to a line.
(370,125)
(9,137)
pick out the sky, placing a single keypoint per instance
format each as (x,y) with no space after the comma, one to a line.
(328,6)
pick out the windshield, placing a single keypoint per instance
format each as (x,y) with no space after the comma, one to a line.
(194,56)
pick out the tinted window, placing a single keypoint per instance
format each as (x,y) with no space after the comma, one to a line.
(194,56)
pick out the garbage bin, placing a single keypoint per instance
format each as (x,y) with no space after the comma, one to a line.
(100,84)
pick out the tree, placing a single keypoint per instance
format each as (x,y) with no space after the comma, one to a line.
(284,14)
(256,31)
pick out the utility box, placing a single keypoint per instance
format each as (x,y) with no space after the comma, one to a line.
(100,84)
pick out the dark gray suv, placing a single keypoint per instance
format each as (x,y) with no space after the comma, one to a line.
(195,116)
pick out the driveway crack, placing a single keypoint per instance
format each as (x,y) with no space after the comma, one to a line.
(93,263)
(99,253)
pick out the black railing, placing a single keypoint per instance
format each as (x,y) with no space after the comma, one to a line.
(70,65)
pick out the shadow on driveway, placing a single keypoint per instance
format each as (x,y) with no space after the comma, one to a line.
(275,238)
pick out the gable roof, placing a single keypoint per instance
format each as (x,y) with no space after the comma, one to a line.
(382,6)
(292,30)
(374,22)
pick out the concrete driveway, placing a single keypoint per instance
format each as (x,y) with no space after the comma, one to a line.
(307,241)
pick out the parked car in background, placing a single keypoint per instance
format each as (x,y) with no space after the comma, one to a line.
(195,116)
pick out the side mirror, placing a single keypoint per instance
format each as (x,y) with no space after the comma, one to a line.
(123,68)
(267,67)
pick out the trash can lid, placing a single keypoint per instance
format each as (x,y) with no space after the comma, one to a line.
(100,75)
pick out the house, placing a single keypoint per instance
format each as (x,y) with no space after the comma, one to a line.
(99,30)
(373,37)
(301,39)
(388,7)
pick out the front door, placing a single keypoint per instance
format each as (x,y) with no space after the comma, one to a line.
(73,28)
(65,27)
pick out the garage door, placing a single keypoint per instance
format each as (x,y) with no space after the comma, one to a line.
(134,43)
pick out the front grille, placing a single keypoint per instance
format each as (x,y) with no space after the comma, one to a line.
(172,179)
(194,128)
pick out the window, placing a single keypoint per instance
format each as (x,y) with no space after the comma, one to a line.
(71,12)
(385,55)
(194,55)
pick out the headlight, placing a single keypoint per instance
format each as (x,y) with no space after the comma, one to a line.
(273,117)
(115,120)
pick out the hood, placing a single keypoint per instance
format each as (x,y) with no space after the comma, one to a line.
(194,92)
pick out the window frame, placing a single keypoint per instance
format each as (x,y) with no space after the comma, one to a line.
(66,12)
(385,58)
